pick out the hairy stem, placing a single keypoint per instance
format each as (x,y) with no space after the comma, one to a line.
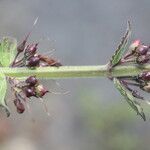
(76,71)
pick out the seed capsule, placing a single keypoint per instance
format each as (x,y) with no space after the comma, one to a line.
(33,61)
(32,81)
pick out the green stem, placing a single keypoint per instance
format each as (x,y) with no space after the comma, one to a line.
(76,71)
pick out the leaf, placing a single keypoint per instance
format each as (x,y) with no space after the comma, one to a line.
(8,50)
(129,98)
(122,48)
(3,88)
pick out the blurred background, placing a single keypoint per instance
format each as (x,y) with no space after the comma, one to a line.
(93,116)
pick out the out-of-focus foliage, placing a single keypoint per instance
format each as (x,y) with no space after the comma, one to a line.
(109,124)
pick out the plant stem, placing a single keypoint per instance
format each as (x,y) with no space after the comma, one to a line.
(76,71)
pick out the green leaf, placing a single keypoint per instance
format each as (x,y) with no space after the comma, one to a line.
(8,50)
(122,48)
(3,88)
(129,98)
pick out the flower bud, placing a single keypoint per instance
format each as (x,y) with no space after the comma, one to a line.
(20,107)
(33,61)
(32,81)
(40,91)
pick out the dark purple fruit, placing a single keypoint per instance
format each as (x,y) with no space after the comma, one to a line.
(33,61)
(31,80)
(29,92)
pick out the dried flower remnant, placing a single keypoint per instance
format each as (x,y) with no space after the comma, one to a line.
(40,91)
(19,105)
(46,61)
